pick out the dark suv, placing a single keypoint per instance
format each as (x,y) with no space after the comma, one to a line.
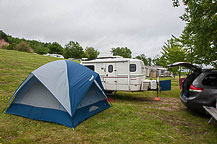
(199,88)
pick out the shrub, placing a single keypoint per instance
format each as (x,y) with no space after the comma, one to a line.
(23,46)
(9,47)
(40,49)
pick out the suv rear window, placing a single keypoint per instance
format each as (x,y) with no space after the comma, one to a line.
(210,80)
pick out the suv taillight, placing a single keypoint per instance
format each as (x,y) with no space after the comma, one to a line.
(195,89)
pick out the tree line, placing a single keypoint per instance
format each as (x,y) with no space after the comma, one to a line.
(71,50)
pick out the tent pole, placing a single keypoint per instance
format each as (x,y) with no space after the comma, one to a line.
(102,91)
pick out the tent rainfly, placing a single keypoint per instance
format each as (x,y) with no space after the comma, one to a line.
(62,92)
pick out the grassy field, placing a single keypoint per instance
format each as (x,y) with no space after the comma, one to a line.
(133,118)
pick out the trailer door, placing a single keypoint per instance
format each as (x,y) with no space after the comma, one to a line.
(111,78)
(122,76)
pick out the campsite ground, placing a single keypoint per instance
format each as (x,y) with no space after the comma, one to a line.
(133,118)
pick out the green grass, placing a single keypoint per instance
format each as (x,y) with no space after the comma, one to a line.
(133,118)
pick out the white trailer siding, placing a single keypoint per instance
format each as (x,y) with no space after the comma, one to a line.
(119,74)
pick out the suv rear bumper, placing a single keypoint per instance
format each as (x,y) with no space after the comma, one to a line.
(193,103)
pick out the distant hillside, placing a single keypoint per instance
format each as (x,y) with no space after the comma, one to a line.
(35,46)
(71,50)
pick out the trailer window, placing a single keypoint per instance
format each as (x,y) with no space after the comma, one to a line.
(132,67)
(110,68)
(91,67)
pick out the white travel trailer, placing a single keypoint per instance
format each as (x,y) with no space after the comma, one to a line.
(120,74)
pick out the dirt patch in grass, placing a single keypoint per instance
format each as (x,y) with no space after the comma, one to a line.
(130,97)
(165,103)
(169,104)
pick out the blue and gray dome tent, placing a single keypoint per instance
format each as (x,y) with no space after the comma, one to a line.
(62,91)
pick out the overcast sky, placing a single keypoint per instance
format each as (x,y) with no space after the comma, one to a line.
(141,25)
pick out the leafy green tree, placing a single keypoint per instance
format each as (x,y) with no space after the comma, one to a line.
(73,50)
(40,48)
(34,44)
(199,36)
(172,52)
(3,36)
(159,61)
(121,51)
(55,48)
(91,53)
(143,58)
(149,61)
(13,40)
